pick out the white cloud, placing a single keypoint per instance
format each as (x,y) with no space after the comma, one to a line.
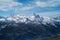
(49,3)
(12,4)
(41,4)
(50,13)
(26,8)
(5,6)
(6,0)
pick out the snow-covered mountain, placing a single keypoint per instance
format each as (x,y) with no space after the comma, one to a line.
(57,18)
(2,19)
(28,19)
(34,19)
(35,27)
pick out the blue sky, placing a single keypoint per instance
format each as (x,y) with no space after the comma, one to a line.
(28,7)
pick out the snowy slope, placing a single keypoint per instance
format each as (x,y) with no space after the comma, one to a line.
(2,19)
(33,18)
(29,19)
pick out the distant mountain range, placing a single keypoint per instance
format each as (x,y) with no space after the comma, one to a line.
(35,27)
(29,19)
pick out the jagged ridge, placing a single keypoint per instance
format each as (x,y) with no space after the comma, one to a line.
(18,27)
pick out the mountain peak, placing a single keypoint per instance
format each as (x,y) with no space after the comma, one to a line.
(28,19)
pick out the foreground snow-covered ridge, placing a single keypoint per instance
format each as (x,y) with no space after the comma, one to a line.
(29,19)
